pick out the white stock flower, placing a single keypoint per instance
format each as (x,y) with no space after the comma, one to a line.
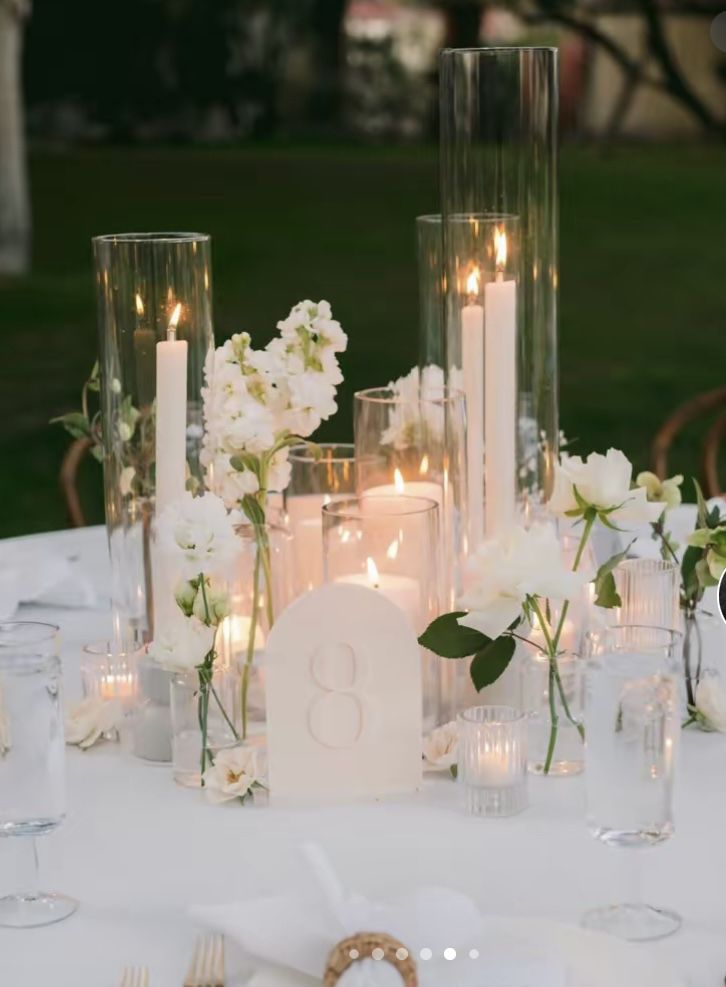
(604,483)
(183,646)
(200,533)
(506,570)
(711,702)
(441,747)
(90,719)
(234,772)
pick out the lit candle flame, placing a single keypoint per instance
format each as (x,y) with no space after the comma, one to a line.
(472,282)
(392,551)
(398,482)
(500,248)
(373,577)
(139,304)
(424,467)
(174,321)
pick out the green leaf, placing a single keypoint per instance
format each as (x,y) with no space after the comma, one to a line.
(702,519)
(74,422)
(703,573)
(490,662)
(253,510)
(607,594)
(689,575)
(448,639)
(246,461)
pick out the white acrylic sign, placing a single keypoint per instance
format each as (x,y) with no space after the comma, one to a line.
(343,681)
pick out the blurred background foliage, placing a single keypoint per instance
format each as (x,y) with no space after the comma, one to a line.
(302,135)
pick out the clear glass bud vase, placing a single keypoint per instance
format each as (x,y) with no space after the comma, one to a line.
(560,751)
(194,703)
(265,582)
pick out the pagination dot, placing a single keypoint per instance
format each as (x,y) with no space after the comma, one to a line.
(425,953)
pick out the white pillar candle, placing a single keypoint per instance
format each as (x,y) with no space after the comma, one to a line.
(500,393)
(171,416)
(410,488)
(404,591)
(472,363)
(305,518)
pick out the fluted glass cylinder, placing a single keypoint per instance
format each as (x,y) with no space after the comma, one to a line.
(499,208)
(155,330)
(649,591)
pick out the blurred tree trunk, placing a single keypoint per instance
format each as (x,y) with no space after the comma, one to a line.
(463,22)
(326,22)
(14,201)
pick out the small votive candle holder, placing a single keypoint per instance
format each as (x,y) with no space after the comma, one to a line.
(493,760)
(110,671)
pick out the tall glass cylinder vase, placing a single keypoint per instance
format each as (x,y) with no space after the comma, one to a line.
(391,544)
(155,330)
(499,207)
(431,283)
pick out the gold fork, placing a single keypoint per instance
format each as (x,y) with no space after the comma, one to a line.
(207,966)
(135,976)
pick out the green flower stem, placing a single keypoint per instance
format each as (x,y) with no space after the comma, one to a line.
(554,718)
(247,670)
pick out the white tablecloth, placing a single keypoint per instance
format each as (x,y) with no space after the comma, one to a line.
(136,850)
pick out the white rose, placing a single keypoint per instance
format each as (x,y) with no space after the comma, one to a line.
(90,719)
(506,570)
(441,747)
(711,702)
(183,647)
(604,483)
(200,533)
(234,772)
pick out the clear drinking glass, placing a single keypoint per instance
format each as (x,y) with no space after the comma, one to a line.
(32,776)
(391,544)
(569,754)
(29,635)
(632,727)
(650,592)
(155,330)
(499,203)
(316,478)
(223,721)
(493,760)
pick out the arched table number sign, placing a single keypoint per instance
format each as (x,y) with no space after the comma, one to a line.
(343,678)
(370,945)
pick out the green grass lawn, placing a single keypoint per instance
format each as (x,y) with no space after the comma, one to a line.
(643,290)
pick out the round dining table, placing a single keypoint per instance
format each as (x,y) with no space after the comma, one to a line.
(136,850)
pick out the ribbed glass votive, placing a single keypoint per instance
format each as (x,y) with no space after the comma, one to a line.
(493,760)
(650,592)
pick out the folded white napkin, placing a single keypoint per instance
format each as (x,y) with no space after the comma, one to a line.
(30,575)
(288,938)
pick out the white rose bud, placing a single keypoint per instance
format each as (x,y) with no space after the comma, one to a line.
(185,594)
(211,606)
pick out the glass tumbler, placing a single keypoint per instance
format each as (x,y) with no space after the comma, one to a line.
(632,729)
(32,776)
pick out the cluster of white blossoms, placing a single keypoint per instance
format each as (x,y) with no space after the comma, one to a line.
(258,402)
(418,411)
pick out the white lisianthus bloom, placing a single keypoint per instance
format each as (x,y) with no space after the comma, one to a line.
(184,646)
(441,747)
(234,772)
(659,491)
(506,570)
(90,719)
(711,702)
(603,482)
(200,533)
